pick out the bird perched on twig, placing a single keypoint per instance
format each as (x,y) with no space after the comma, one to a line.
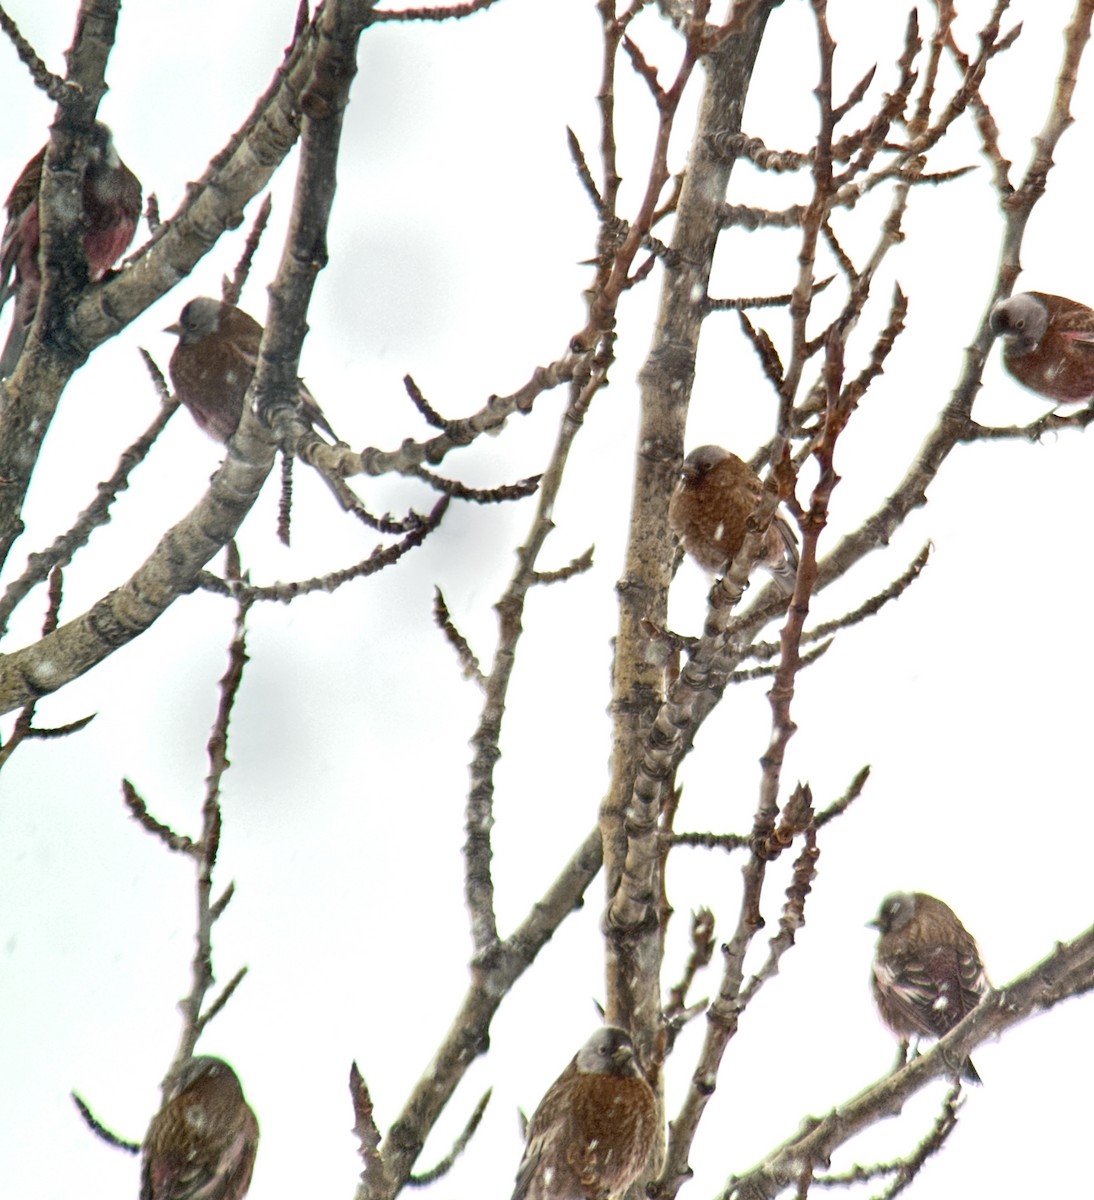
(1048,344)
(111,209)
(709,512)
(202,1143)
(927,969)
(594,1129)
(214,362)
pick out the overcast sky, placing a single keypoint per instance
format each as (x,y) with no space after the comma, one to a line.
(456,239)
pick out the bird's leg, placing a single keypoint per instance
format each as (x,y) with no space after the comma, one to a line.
(903,1055)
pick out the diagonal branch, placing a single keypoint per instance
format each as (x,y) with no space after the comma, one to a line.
(1067,971)
(468,1036)
(170,571)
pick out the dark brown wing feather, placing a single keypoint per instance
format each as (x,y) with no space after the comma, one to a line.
(589,1138)
(23,195)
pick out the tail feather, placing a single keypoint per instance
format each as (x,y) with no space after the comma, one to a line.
(26,300)
(785,569)
(13,347)
(314,413)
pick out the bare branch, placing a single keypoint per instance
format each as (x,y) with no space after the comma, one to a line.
(423,406)
(839,807)
(139,811)
(467,1038)
(905,1169)
(469,664)
(713,841)
(583,172)
(232,289)
(702,951)
(100,1130)
(458,1147)
(496,495)
(380,558)
(576,566)
(229,988)
(368,1135)
(453,13)
(1067,971)
(53,86)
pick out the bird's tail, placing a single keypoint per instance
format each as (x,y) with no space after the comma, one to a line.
(13,347)
(26,300)
(785,571)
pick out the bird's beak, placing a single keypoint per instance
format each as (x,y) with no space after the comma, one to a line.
(176,329)
(622,1056)
(998,322)
(873,923)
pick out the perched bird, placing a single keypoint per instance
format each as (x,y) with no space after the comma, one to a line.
(1048,344)
(593,1131)
(214,362)
(111,209)
(927,969)
(201,1145)
(709,512)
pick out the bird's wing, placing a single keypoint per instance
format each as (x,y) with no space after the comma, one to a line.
(168,1179)
(789,538)
(237,1162)
(247,351)
(146,1181)
(1070,320)
(1083,339)
(940,978)
(19,206)
(548,1134)
(247,354)
(910,989)
(313,412)
(9,248)
(971,979)
(526,1172)
(25,189)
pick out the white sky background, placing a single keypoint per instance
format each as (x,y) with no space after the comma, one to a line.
(455,236)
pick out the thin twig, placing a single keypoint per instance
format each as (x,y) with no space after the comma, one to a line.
(445,1165)
(100,1130)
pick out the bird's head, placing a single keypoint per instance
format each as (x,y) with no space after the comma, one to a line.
(895,912)
(701,460)
(609,1051)
(197,320)
(1021,321)
(214,1072)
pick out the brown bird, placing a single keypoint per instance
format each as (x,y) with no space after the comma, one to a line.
(201,1145)
(927,969)
(709,511)
(1048,344)
(214,362)
(593,1131)
(111,209)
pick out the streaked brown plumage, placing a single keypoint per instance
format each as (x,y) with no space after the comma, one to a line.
(594,1129)
(111,209)
(214,362)
(202,1143)
(927,969)
(709,512)
(1048,344)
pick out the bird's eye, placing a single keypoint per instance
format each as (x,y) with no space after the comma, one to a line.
(1020,323)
